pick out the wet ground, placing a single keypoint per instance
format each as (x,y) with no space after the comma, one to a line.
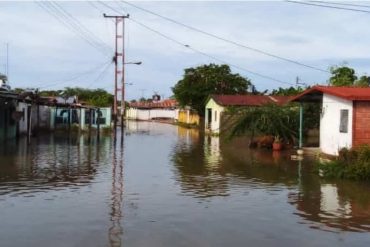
(162,185)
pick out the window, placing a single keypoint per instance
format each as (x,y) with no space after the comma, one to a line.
(343,127)
(215,116)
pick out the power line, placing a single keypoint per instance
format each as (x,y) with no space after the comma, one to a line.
(328,6)
(101,75)
(51,10)
(74,77)
(84,28)
(200,52)
(343,4)
(224,39)
(207,55)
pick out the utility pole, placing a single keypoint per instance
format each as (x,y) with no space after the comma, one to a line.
(118,35)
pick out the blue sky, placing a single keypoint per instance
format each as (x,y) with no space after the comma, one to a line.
(45,54)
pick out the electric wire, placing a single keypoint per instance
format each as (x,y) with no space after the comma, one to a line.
(101,75)
(343,4)
(51,11)
(74,77)
(224,39)
(207,55)
(75,24)
(100,42)
(200,52)
(328,6)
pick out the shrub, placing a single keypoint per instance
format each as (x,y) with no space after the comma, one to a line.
(351,163)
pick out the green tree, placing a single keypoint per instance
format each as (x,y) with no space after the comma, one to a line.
(342,76)
(198,83)
(96,97)
(287,91)
(364,81)
(270,119)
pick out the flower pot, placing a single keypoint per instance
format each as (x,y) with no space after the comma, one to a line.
(277,146)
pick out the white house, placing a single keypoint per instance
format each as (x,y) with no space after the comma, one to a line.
(165,109)
(345,116)
(217,104)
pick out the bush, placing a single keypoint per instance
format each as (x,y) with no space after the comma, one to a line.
(351,163)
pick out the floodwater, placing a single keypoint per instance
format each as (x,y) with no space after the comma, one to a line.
(162,185)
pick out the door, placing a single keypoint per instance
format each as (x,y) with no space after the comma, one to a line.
(209,118)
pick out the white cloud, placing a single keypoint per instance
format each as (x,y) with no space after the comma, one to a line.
(42,48)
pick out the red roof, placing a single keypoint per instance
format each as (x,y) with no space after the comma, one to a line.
(168,103)
(249,100)
(349,93)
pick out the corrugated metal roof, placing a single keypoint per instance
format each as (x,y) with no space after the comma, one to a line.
(349,93)
(249,100)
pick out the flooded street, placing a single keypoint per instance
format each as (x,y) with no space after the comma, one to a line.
(162,185)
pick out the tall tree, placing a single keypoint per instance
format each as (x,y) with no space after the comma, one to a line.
(342,76)
(198,83)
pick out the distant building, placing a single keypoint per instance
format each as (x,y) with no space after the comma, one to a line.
(216,105)
(345,116)
(166,109)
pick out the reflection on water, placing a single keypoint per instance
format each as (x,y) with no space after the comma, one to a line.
(49,163)
(162,185)
(207,167)
(116,229)
(342,206)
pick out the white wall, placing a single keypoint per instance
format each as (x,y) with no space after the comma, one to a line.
(331,140)
(148,114)
(22,107)
(216,111)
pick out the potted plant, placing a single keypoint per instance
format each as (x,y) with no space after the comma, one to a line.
(277,145)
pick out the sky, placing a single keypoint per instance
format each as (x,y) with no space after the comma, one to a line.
(45,54)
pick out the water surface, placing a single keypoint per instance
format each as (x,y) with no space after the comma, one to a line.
(161,185)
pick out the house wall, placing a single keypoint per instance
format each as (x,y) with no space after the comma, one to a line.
(22,107)
(214,127)
(149,114)
(361,122)
(8,126)
(331,139)
(188,117)
(44,116)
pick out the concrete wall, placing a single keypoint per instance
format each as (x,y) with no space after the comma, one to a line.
(214,126)
(44,116)
(188,117)
(331,139)
(22,107)
(361,122)
(149,114)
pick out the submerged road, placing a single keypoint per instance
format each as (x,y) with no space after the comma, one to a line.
(162,185)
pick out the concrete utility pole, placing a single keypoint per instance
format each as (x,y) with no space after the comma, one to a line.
(118,35)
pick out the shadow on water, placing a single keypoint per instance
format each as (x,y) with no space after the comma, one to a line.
(207,167)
